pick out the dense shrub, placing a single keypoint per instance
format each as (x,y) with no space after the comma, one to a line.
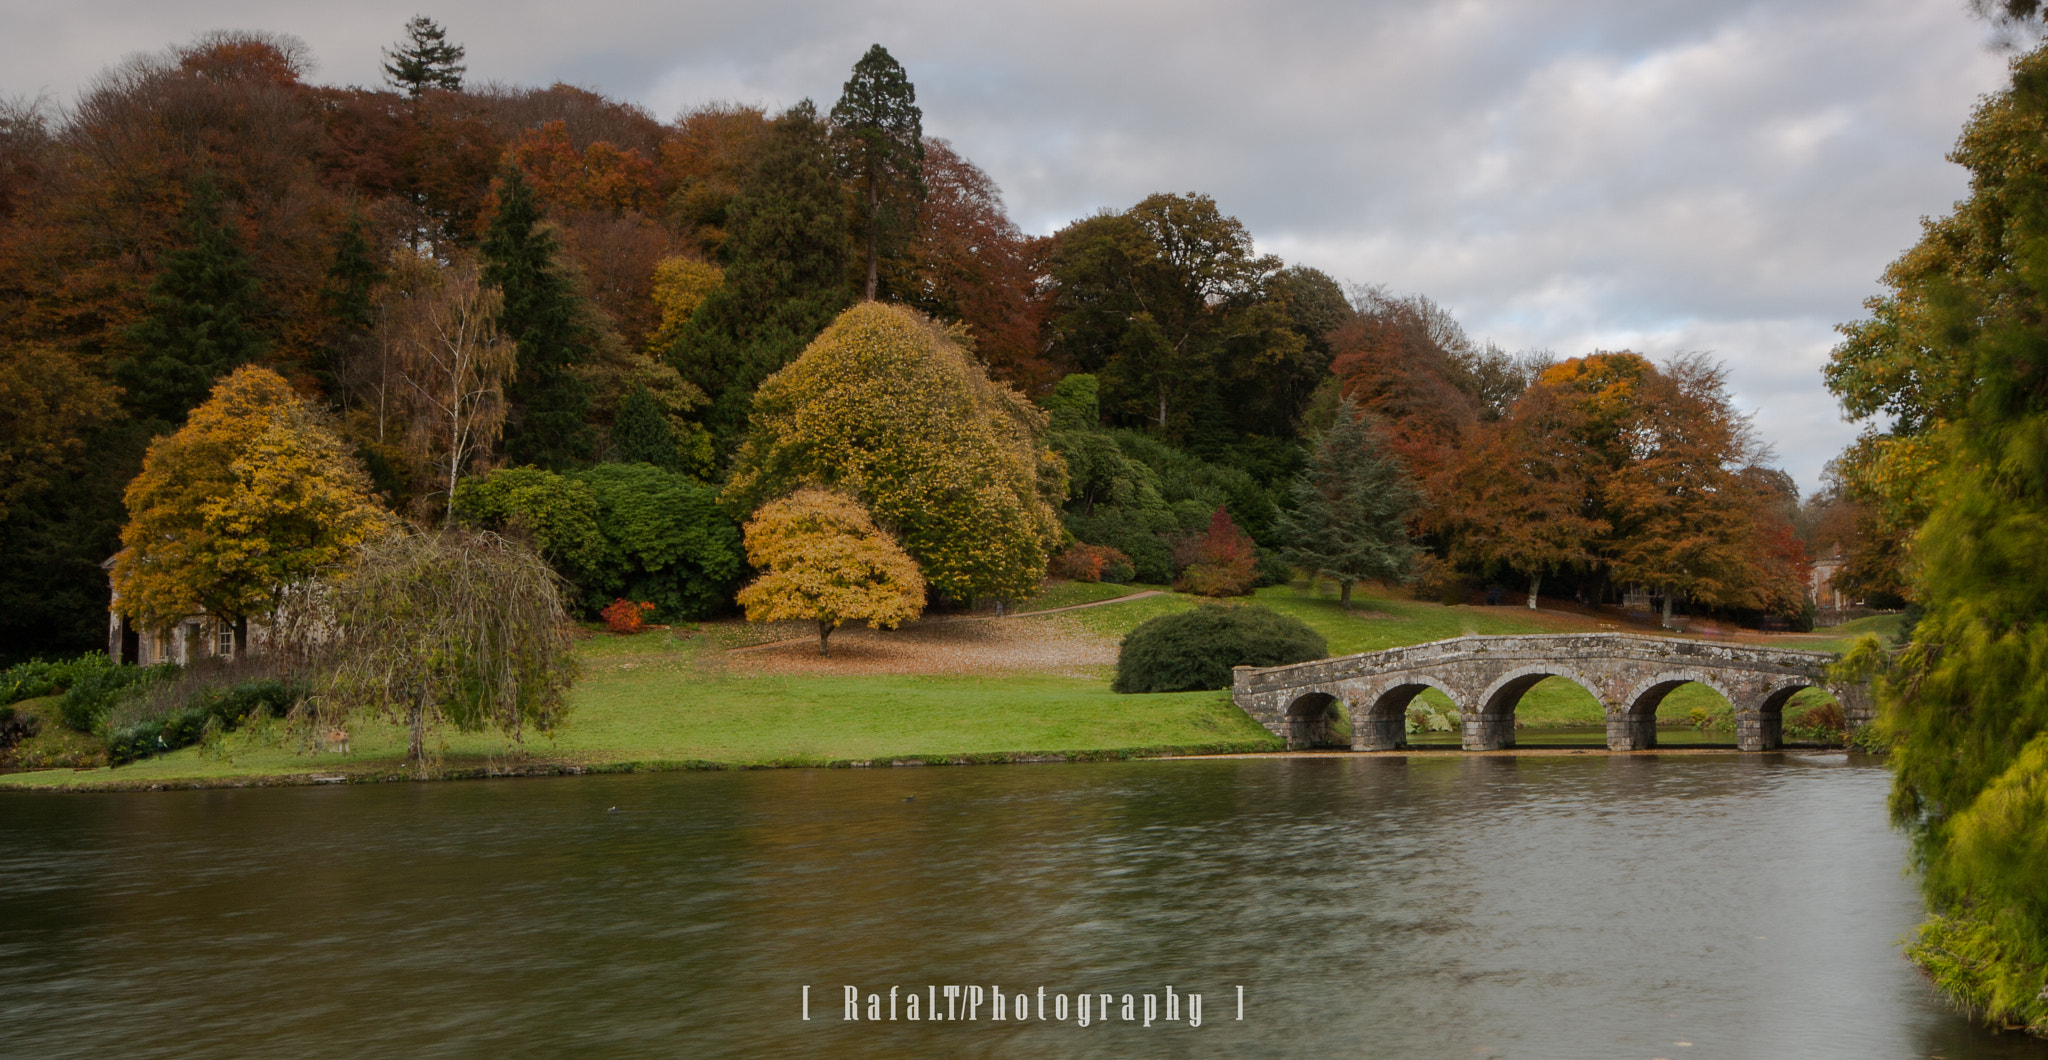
(40,677)
(1193,650)
(1224,561)
(616,530)
(1092,563)
(625,616)
(220,708)
(92,694)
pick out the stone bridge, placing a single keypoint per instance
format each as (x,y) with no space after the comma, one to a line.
(1486,676)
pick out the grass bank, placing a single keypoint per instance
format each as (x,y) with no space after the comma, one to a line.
(674,699)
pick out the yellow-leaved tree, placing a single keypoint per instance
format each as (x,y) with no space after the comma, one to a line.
(257,493)
(827,562)
(887,406)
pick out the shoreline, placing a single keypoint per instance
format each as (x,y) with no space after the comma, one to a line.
(385,775)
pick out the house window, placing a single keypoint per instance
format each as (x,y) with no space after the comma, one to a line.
(224,638)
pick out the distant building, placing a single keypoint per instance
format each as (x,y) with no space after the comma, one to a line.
(1820,586)
(190,639)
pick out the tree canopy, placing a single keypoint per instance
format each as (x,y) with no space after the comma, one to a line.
(887,407)
(254,495)
(823,560)
(1351,508)
(424,59)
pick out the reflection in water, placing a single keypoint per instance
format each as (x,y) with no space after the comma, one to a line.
(1542,907)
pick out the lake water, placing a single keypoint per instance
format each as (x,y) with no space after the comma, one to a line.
(1570,907)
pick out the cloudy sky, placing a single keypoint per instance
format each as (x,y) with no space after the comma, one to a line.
(1571,175)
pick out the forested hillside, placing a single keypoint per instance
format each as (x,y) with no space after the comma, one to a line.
(497,295)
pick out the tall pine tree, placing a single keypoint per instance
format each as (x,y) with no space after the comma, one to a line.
(1350,521)
(424,59)
(787,261)
(199,324)
(352,279)
(881,143)
(548,420)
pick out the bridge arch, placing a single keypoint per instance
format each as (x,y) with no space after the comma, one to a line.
(1506,691)
(1492,726)
(1309,720)
(1642,700)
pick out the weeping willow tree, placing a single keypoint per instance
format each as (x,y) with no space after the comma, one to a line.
(454,626)
(1966,704)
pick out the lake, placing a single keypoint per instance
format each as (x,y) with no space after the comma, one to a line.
(1566,906)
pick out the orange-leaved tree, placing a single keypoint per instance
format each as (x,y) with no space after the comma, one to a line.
(257,493)
(1225,563)
(827,562)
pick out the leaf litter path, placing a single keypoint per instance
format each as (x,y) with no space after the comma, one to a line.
(958,644)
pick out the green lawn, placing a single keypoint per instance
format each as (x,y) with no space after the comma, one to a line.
(669,698)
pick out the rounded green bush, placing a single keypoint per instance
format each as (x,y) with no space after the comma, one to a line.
(1194,650)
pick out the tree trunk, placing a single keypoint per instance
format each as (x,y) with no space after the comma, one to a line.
(1669,595)
(874,235)
(1344,594)
(241,637)
(1535,583)
(825,632)
(416,720)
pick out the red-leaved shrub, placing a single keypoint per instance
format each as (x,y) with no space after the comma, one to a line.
(625,616)
(1225,561)
(1092,563)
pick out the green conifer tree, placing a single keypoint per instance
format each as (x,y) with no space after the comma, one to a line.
(352,278)
(786,278)
(642,435)
(1351,507)
(424,59)
(199,324)
(547,423)
(881,144)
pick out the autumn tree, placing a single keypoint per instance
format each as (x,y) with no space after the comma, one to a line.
(969,262)
(1679,516)
(449,625)
(51,404)
(452,363)
(881,145)
(199,324)
(424,59)
(1351,507)
(824,561)
(255,494)
(1521,496)
(888,408)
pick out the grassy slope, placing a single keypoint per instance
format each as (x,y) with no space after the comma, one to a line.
(656,699)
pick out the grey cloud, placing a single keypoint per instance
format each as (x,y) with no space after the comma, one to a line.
(1569,175)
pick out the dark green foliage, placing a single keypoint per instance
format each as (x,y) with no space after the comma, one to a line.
(352,278)
(53,592)
(1137,494)
(1351,508)
(549,405)
(880,135)
(641,433)
(93,693)
(215,709)
(1193,650)
(39,677)
(1167,304)
(615,531)
(424,59)
(200,324)
(786,277)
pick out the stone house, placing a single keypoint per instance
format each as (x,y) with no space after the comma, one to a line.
(190,639)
